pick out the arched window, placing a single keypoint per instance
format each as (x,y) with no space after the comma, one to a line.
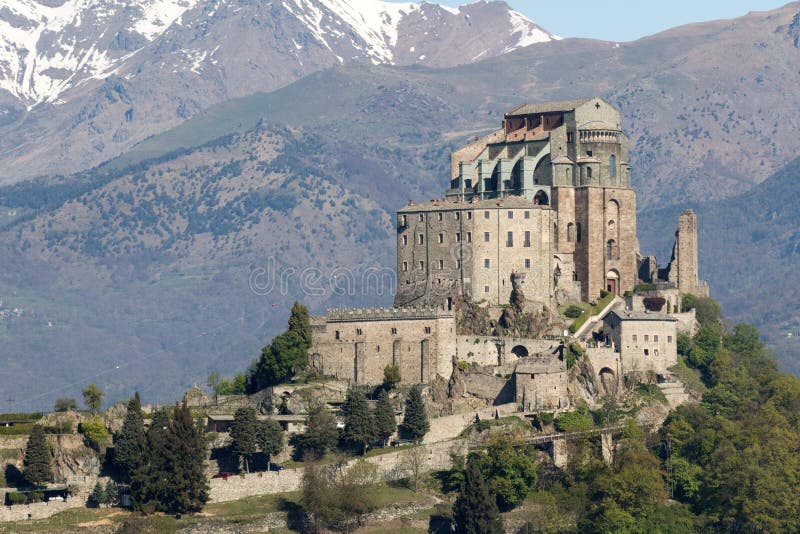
(570,232)
(612,166)
(611,246)
(588,172)
(578,233)
(541,199)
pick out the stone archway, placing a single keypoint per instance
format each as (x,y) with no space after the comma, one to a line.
(612,281)
(608,381)
(541,198)
(520,351)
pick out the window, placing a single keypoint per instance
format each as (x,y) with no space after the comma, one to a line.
(421,265)
(458,237)
(421,217)
(338,335)
(655,353)
(527,238)
(441,238)
(485,214)
(635,338)
(655,339)
(570,137)
(469,215)
(404,220)
(486,263)
(485,289)
(669,339)
(405,240)
(611,250)
(578,232)
(589,153)
(441,264)
(612,166)
(527,263)
(394,331)
(570,232)
(469,237)
(527,214)
(486,236)
(439,216)
(421,239)
(510,214)
(458,264)
(427,329)
(377,348)
(405,266)
(359,332)
(647,352)
(458,216)
(646,338)
(510,239)
(588,172)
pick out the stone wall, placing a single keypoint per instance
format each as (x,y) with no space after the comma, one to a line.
(39,510)
(491,350)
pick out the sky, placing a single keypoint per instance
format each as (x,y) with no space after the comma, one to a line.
(626,20)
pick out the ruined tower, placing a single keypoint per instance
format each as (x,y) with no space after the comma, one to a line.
(682,269)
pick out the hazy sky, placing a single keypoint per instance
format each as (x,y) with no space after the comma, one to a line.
(626,20)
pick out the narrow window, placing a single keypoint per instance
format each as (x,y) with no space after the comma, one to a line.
(669,339)
(647,352)
(486,236)
(359,332)
(485,214)
(510,239)
(510,214)
(338,335)
(655,338)
(469,237)
(439,216)
(405,240)
(458,264)
(570,232)
(485,289)
(458,237)
(421,218)
(527,238)
(421,265)
(441,238)
(394,331)
(570,137)
(405,220)
(527,263)
(646,338)
(458,216)
(612,166)
(635,338)
(427,329)
(588,172)
(578,232)
(469,215)
(405,266)
(421,239)
(441,264)
(486,263)
(527,214)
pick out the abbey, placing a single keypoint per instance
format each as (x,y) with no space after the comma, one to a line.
(539,214)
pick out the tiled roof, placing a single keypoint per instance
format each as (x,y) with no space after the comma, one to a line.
(509,202)
(547,107)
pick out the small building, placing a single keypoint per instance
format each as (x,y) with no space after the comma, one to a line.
(646,341)
(541,384)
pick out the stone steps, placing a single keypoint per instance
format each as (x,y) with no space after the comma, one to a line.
(674,392)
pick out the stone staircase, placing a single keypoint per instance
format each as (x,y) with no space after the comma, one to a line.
(674,392)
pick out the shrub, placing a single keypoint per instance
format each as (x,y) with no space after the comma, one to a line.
(574,421)
(16,497)
(573,312)
(95,432)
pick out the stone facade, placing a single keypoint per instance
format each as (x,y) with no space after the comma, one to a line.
(358,344)
(541,384)
(644,341)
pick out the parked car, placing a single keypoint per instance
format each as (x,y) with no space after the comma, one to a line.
(223,475)
(275,467)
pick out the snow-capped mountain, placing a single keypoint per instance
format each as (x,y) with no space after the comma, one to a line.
(48,47)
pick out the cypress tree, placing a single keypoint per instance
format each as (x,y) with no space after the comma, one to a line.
(244,433)
(300,323)
(475,510)
(130,443)
(359,426)
(148,481)
(270,438)
(37,463)
(415,420)
(185,473)
(385,423)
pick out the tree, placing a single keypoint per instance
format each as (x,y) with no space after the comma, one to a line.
(244,433)
(359,426)
(92,398)
(391,376)
(98,495)
(65,405)
(510,473)
(37,467)
(336,499)
(320,435)
(96,433)
(300,323)
(111,492)
(148,486)
(415,420)
(270,438)
(475,510)
(279,361)
(385,422)
(130,443)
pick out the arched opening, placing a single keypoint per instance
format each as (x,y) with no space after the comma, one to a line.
(543,172)
(612,281)
(612,166)
(608,381)
(519,351)
(541,199)
(570,232)
(588,172)
(612,251)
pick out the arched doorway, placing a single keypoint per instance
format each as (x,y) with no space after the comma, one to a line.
(541,199)
(612,281)
(519,351)
(608,381)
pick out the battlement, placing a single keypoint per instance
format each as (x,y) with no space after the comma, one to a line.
(346,315)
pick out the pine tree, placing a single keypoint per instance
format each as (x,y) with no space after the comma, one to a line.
(111,493)
(185,473)
(300,323)
(148,480)
(475,510)
(270,438)
(130,443)
(321,434)
(244,433)
(98,495)
(415,420)
(37,463)
(385,422)
(359,426)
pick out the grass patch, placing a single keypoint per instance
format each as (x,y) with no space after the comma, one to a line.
(690,377)
(651,392)
(592,310)
(486,424)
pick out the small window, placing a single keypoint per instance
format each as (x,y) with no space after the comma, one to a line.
(578,233)
(439,216)
(421,217)
(458,264)
(359,332)
(527,263)
(404,220)
(486,236)
(527,238)
(510,214)
(338,335)
(510,239)
(646,338)
(612,166)
(486,263)
(635,338)
(421,239)
(570,137)
(458,216)
(485,289)
(441,238)
(655,338)
(647,352)
(405,240)
(655,353)
(441,264)
(485,214)
(589,153)
(421,265)
(427,329)
(405,266)
(469,215)
(458,237)
(588,172)
(469,237)
(394,331)
(570,232)
(527,214)
(669,339)
(377,348)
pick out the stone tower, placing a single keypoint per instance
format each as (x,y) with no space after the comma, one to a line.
(683,264)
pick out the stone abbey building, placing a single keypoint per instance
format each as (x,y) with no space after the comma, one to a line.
(545,200)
